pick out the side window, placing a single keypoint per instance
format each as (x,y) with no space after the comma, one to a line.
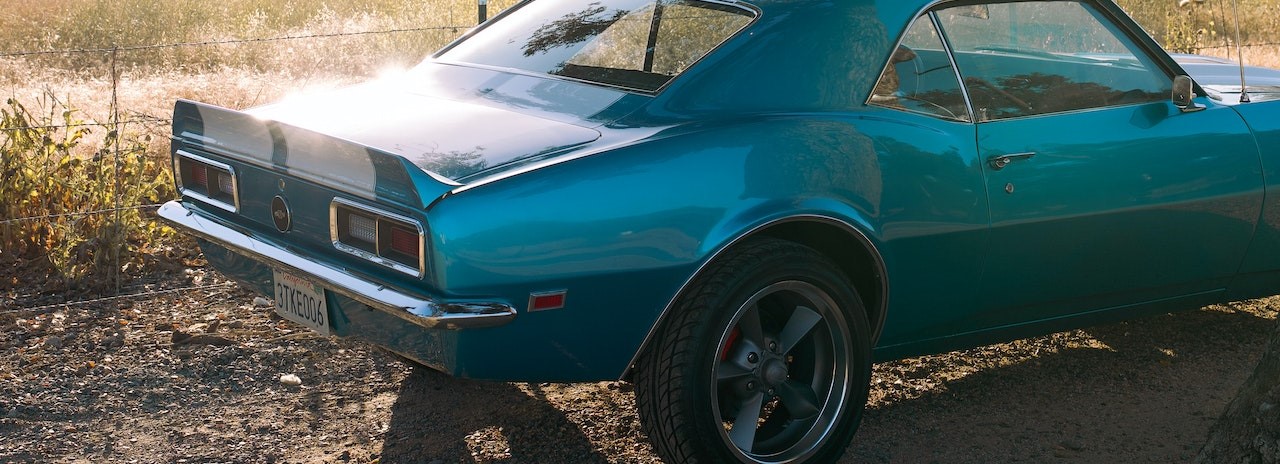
(1021,59)
(645,48)
(633,44)
(919,76)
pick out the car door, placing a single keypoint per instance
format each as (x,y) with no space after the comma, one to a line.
(1103,194)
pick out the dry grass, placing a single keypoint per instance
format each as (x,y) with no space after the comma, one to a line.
(1265,56)
(92,24)
(235,75)
(1208,23)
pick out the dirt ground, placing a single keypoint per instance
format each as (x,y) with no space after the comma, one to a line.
(207,376)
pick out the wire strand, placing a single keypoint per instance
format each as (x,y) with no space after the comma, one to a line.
(69,304)
(87,124)
(78,213)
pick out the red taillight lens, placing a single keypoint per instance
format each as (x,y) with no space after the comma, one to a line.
(404,241)
(199,176)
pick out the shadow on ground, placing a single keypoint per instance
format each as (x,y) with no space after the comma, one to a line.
(1139,391)
(438,418)
(1133,392)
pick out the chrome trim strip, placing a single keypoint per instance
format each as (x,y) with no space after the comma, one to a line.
(955,67)
(212,202)
(862,237)
(235,181)
(374,257)
(422,312)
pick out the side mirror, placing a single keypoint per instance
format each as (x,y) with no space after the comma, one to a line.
(1183,93)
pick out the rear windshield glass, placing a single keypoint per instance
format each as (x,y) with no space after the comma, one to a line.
(633,44)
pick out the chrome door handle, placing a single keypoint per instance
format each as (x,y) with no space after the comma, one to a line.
(998,162)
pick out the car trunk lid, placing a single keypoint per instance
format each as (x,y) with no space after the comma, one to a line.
(446,137)
(409,148)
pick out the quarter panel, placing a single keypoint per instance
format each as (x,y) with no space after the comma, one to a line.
(622,231)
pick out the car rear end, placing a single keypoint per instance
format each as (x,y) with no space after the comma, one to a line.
(333,230)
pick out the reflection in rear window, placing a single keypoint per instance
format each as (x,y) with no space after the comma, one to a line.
(633,44)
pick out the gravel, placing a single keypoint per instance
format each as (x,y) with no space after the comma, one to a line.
(212,375)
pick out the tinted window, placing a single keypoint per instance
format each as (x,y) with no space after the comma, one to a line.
(920,77)
(1021,59)
(634,44)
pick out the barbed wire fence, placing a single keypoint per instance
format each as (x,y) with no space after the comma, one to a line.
(117,122)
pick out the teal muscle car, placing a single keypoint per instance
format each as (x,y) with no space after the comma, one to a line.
(741,205)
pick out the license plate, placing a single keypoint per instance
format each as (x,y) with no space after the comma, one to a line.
(301,301)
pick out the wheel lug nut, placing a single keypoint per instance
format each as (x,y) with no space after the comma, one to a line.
(751,385)
(770,392)
(773,346)
(753,358)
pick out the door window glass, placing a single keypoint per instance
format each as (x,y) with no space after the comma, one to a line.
(920,78)
(1028,58)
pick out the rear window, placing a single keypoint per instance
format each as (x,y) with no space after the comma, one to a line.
(633,44)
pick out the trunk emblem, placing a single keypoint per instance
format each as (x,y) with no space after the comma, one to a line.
(280,213)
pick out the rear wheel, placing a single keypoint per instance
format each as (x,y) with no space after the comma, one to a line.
(765,359)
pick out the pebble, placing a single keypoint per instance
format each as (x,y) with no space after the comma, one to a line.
(53,341)
(182,338)
(113,341)
(261,302)
(624,387)
(290,380)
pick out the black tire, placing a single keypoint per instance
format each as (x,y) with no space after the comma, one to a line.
(773,331)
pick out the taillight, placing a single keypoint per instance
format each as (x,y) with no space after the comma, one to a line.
(207,180)
(385,238)
(199,175)
(405,241)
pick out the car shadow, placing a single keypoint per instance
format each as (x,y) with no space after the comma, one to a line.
(1140,391)
(438,418)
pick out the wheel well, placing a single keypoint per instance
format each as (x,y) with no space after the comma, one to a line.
(851,253)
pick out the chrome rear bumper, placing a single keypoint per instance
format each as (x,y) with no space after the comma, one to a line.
(417,310)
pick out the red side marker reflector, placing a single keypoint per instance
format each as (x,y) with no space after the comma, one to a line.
(546,300)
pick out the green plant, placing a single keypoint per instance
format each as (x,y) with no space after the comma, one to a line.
(74,212)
